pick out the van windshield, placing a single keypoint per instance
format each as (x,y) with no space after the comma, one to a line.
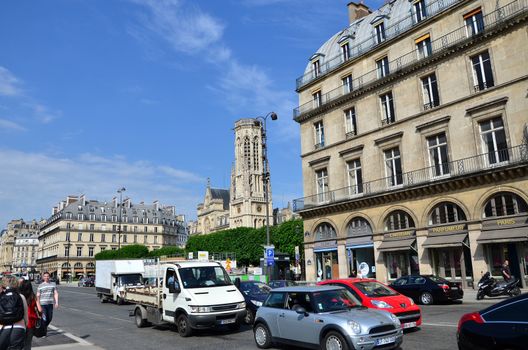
(204,276)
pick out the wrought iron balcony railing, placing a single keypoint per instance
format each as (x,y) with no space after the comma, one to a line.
(371,42)
(439,45)
(466,166)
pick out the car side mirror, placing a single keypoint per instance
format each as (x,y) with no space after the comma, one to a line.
(300,310)
(174,287)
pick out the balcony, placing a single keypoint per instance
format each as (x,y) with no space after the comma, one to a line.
(438,46)
(370,43)
(455,169)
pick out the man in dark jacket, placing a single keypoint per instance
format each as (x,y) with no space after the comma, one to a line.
(506,274)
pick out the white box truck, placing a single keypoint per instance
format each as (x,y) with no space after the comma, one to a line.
(190,294)
(111,277)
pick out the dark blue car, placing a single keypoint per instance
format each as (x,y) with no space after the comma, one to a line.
(254,293)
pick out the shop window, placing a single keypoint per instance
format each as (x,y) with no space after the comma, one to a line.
(325,231)
(503,204)
(398,220)
(445,213)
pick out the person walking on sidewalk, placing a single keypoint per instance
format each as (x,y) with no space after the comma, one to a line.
(26,290)
(47,298)
(506,274)
(13,315)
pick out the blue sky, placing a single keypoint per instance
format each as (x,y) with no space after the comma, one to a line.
(99,94)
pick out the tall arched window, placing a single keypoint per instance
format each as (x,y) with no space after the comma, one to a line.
(358,226)
(325,231)
(247,152)
(78,265)
(398,220)
(66,266)
(445,213)
(256,153)
(503,204)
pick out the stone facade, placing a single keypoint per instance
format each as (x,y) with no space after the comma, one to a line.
(79,228)
(413,128)
(213,213)
(18,249)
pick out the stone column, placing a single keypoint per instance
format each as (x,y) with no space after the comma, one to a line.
(342,261)
(424,258)
(309,268)
(379,260)
(478,257)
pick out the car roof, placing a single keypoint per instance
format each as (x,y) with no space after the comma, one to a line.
(306,289)
(505,302)
(351,280)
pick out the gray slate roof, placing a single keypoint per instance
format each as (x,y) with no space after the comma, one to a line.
(218,193)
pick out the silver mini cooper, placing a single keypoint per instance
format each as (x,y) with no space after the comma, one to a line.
(324,317)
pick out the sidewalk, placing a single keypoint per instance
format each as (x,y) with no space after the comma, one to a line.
(58,339)
(470,297)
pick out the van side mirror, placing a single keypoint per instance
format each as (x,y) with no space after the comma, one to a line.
(237,282)
(174,287)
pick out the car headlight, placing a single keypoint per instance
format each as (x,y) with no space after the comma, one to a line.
(241,305)
(257,303)
(355,327)
(200,309)
(411,301)
(381,304)
(395,319)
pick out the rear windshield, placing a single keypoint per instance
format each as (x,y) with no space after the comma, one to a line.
(374,289)
(436,279)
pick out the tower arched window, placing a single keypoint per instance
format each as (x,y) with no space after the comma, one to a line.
(256,153)
(445,213)
(504,204)
(398,220)
(247,152)
(325,231)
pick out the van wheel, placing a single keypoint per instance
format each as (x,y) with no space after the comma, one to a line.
(102,299)
(119,301)
(184,328)
(334,340)
(140,321)
(262,336)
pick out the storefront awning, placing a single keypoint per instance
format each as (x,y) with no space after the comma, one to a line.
(517,234)
(400,244)
(441,241)
(359,242)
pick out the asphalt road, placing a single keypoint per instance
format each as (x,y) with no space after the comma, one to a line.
(109,326)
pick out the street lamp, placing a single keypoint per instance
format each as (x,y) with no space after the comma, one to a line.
(266,173)
(68,259)
(120,191)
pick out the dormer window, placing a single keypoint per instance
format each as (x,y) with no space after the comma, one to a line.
(419,11)
(316,68)
(380,32)
(345,51)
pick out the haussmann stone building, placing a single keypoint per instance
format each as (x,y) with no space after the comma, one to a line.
(413,122)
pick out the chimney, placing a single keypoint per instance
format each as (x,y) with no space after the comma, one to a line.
(114,202)
(127,203)
(156,205)
(357,11)
(54,211)
(71,199)
(82,199)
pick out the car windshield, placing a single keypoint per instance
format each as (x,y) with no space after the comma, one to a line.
(204,276)
(334,300)
(436,279)
(130,279)
(254,288)
(374,289)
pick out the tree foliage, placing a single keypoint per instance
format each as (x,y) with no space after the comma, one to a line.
(134,251)
(169,251)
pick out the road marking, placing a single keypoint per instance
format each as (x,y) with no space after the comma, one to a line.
(95,314)
(69,335)
(439,324)
(69,291)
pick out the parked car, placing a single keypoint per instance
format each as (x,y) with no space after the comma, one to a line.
(376,295)
(281,283)
(500,326)
(254,293)
(428,289)
(86,282)
(329,317)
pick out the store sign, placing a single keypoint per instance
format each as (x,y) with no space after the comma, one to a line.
(326,244)
(505,223)
(448,229)
(400,234)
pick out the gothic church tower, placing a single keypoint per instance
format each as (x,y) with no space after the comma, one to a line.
(247,202)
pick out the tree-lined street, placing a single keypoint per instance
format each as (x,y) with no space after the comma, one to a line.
(109,326)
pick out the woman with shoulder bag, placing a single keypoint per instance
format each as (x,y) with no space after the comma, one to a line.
(27,291)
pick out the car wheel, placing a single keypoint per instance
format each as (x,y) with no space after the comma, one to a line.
(140,321)
(184,328)
(334,341)
(515,291)
(262,336)
(250,317)
(426,298)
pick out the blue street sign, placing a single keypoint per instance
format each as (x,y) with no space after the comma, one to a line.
(270,256)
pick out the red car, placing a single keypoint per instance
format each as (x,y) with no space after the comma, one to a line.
(376,295)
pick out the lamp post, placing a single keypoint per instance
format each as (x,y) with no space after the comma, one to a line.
(68,259)
(120,191)
(266,173)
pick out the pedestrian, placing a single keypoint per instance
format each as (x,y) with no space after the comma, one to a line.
(47,298)
(506,274)
(26,289)
(13,315)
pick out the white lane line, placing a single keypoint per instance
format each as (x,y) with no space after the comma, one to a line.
(69,335)
(439,324)
(69,291)
(96,314)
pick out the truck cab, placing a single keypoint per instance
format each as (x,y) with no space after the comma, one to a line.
(194,295)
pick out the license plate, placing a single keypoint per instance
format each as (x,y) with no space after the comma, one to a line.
(383,341)
(454,288)
(232,320)
(409,325)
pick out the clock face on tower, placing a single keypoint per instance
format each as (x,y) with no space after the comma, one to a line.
(259,208)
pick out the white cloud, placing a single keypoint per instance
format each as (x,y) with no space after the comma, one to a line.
(10,125)
(9,84)
(32,183)
(43,114)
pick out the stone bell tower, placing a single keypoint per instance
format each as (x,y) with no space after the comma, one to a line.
(247,202)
